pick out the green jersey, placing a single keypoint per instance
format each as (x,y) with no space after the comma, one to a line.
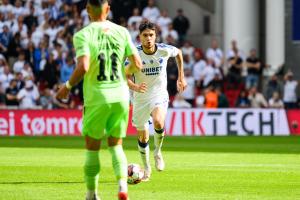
(107,45)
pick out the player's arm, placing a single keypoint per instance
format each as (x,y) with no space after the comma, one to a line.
(181,83)
(135,64)
(141,88)
(129,70)
(81,68)
(83,63)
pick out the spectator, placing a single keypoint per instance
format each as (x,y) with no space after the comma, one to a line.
(272,86)
(211,97)
(52,30)
(200,100)
(181,25)
(6,77)
(51,73)
(290,91)
(46,99)
(28,96)
(135,18)
(275,101)
(84,15)
(5,38)
(164,20)
(171,41)
(31,19)
(253,65)
(188,49)
(41,8)
(5,8)
(199,66)
(235,51)
(2,63)
(222,99)
(215,53)
(121,9)
(2,21)
(39,58)
(36,36)
(19,10)
(20,81)
(29,53)
(235,69)
(257,100)
(180,102)
(67,69)
(134,33)
(170,32)
(27,71)
(19,64)
(20,27)
(10,20)
(210,75)
(14,48)
(242,100)
(2,97)
(11,94)
(189,93)
(151,12)
(187,62)
(54,9)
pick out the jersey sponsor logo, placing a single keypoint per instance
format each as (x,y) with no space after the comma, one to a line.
(150,71)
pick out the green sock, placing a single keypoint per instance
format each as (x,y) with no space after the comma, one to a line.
(91,170)
(119,161)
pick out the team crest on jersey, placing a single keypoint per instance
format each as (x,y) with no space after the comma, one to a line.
(151,61)
(160,60)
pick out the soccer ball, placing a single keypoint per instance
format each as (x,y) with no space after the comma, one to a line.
(135,174)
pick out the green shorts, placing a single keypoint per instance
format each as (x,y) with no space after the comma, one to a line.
(106,120)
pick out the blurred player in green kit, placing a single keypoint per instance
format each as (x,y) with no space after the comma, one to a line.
(101,48)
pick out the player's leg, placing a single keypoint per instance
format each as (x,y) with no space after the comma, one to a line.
(92,167)
(159,114)
(116,130)
(93,130)
(119,162)
(140,117)
(144,149)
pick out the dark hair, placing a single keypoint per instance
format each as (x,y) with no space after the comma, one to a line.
(96,2)
(147,25)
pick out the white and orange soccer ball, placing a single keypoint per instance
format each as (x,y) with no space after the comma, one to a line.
(135,174)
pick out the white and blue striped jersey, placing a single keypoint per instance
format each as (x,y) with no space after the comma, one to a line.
(154,72)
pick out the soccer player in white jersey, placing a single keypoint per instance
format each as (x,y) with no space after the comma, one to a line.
(150,96)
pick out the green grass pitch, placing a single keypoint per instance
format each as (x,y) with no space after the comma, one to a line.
(221,168)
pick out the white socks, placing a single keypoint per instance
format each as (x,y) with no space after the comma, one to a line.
(144,152)
(158,140)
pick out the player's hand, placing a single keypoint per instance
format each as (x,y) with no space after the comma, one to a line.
(141,88)
(181,85)
(63,92)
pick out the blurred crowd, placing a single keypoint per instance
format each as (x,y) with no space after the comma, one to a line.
(37,54)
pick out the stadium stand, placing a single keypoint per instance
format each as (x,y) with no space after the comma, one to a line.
(37,54)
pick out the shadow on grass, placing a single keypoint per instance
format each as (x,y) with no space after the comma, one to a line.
(260,144)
